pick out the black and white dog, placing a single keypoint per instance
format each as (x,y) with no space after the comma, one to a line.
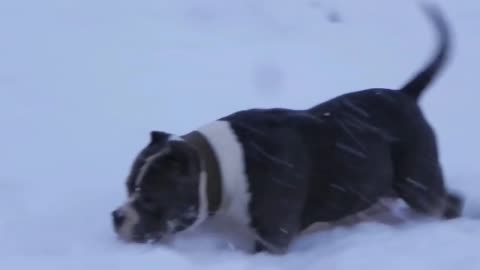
(277,171)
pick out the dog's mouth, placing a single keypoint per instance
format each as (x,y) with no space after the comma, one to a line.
(145,238)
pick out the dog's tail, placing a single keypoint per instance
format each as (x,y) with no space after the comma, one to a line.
(420,82)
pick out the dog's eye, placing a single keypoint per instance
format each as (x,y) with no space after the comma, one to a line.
(146,200)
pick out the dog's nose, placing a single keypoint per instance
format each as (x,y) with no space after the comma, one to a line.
(118,218)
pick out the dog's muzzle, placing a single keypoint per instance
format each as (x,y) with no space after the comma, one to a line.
(129,227)
(125,220)
(118,218)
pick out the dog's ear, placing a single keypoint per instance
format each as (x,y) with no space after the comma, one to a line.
(158,136)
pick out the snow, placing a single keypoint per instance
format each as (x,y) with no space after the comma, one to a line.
(83,82)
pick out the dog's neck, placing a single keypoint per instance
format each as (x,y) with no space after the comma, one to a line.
(210,168)
(225,182)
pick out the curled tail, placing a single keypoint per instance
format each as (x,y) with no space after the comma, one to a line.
(420,82)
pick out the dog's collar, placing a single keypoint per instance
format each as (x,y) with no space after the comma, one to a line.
(210,165)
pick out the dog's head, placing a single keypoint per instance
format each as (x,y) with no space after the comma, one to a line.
(163,189)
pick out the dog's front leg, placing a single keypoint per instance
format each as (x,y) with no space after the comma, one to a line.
(276,225)
(279,186)
(274,241)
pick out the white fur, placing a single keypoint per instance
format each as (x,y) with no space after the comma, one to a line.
(131,219)
(229,152)
(203,203)
(175,138)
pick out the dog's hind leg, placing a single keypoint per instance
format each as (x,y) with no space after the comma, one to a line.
(419,178)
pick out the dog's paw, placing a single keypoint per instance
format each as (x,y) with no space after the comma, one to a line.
(454,206)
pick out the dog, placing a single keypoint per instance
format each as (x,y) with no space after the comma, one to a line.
(277,171)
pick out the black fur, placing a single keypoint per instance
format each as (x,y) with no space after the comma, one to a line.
(305,166)
(340,157)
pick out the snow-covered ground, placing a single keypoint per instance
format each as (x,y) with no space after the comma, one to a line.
(83,81)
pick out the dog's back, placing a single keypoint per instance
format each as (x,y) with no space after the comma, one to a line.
(356,148)
(383,140)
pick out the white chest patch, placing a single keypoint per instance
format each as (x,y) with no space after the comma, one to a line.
(230,155)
